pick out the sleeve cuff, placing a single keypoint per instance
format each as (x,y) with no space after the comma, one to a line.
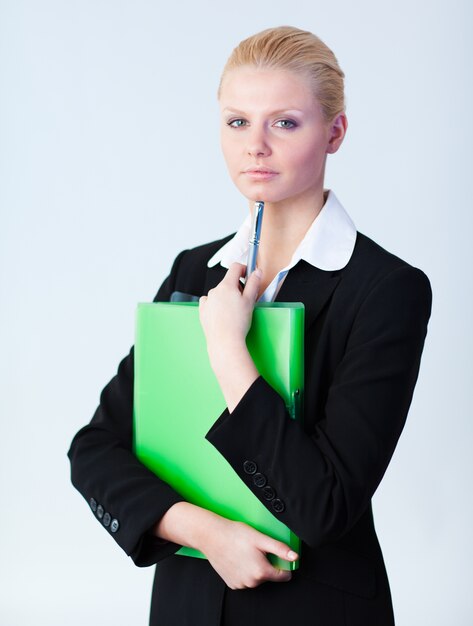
(252,394)
(151,549)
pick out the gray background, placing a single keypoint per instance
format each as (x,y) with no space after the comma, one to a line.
(110,164)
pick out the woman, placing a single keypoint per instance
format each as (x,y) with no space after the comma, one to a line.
(282,111)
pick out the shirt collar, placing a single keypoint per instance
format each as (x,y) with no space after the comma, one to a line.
(328,243)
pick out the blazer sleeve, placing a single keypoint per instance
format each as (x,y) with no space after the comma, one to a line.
(125,496)
(319,483)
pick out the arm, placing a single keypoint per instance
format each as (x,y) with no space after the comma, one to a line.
(236,551)
(339,464)
(107,473)
(225,315)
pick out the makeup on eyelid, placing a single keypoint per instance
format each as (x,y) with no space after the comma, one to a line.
(293,123)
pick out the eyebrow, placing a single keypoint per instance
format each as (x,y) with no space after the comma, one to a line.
(288,110)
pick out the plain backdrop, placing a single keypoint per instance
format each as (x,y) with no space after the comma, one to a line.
(110,164)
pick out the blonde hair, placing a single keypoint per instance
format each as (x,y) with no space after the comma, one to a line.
(295,50)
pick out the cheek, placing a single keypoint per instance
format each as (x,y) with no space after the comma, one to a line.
(307,157)
(229,153)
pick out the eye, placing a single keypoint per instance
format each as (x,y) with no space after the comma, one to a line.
(237,123)
(287,124)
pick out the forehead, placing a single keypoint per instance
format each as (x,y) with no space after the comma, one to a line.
(261,89)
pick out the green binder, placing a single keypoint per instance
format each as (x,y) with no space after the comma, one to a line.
(177,399)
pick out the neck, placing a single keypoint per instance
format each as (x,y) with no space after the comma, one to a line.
(284,225)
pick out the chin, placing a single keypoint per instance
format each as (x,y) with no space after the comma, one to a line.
(266,197)
(261,193)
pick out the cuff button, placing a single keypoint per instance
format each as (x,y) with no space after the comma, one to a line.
(268,493)
(278,505)
(250,467)
(100,511)
(114,526)
(107,518)
(93,504)
(259,479)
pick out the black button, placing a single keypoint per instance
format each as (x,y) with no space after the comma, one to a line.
(107,518)
(100,511)
(114,526)
(250,467)
(278,505)
(268,493)
(259,480)
(93,504)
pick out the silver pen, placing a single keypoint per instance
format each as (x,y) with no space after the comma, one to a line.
(253,244)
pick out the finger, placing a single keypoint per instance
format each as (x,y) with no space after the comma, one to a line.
(279,549)
(252,285)
(202,299)
(278,575)
(234,273)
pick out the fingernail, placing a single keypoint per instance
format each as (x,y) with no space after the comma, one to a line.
(258,273)
(291,555)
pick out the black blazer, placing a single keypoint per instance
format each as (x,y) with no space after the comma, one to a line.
(365,330)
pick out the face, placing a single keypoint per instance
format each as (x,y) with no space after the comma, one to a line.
(271,121)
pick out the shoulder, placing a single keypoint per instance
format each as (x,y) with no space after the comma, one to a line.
(371,263)
(189,269)
(373,273)
(197,257)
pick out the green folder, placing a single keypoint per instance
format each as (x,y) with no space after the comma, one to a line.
(177,399)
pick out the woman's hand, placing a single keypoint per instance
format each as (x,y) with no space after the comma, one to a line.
(226,312)
(235,550)
(225,316)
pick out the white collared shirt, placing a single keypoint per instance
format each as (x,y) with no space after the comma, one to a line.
(328,244)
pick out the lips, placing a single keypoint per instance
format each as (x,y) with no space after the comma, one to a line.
(260,173)
(259,170)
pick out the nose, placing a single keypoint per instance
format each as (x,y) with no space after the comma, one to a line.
(258,145)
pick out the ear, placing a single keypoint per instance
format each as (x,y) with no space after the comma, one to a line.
(338,128)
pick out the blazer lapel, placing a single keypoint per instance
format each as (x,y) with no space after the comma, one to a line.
(214,275)
(309,285)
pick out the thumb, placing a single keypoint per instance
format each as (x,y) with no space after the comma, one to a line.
(284,552)
(279,576)
(252,285)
